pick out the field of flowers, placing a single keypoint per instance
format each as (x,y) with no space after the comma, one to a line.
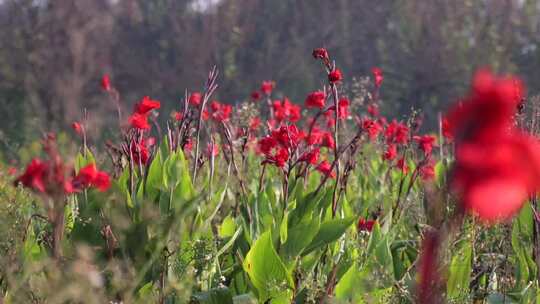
(271,201)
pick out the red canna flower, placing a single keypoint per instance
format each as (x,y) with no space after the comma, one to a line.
(288,136)
(320,53)
(311,157)
(146,105)
(77,127)
(188,146)
(494,178)
(328,140)
(139,121)
(255,123)
(212,150)
(391,152)
(365,225)
(267,87)
(316,137)
(425,143)
(102,181)
(178,116)
(12,171)
(195,99)
(139,152)
(106,83)
(255,95)
(488,110)
(343,108)
(326,168)
(372,127)
(373,110)
(397,133)
(335,76)
(316,100)
(89,176)
(427,171)
(378,76)
(402,165)
(266,144)
(34,176)
(220,112)
(446,129)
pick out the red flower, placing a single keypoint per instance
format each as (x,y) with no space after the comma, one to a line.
(212,150)
(266,144)
(188,146)
(446,129)
(12,171)
(391,152)
(488,110)
(315,138)
(365,225)
(372,127)
(89,176)
(328,140)
(288,136)
(427,171)
(326,168)
(146,105)
(425,143)
(177,116)
(397,133)
(378,76)
(267,87)
(34,176)
(335,76)
(320,53)
(139,121)
(106,83)
(311,157)
(286,110)
(402,165)
(139,152)
(77,127)
(343,108)
(316,100)
(102,181)
(373,110)
(494,178)
(195,99)
(220,112)
(86,176)
(255,123)
(255,95)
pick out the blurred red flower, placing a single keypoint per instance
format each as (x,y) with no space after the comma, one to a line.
(34,176)
(195,99)
(146,105)
(106,82)
(320,53)
(316,100)
(335,76)
(139,121)
(267,87)
(425,143)
(378,76)
(326,168)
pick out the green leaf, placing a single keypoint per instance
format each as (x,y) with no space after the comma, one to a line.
(227,228)
(329,232)
(213,296)
(460,272)
(300,237)
(266,270)
(154,180)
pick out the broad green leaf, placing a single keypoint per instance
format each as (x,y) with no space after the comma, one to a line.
(329,232)
(299,237)
(213,296)
(266,270)
(227,228)
(460,271)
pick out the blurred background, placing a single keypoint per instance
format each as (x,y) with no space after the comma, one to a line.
(54,52)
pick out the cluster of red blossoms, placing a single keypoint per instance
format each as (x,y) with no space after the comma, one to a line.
(51,177)
(497,165)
